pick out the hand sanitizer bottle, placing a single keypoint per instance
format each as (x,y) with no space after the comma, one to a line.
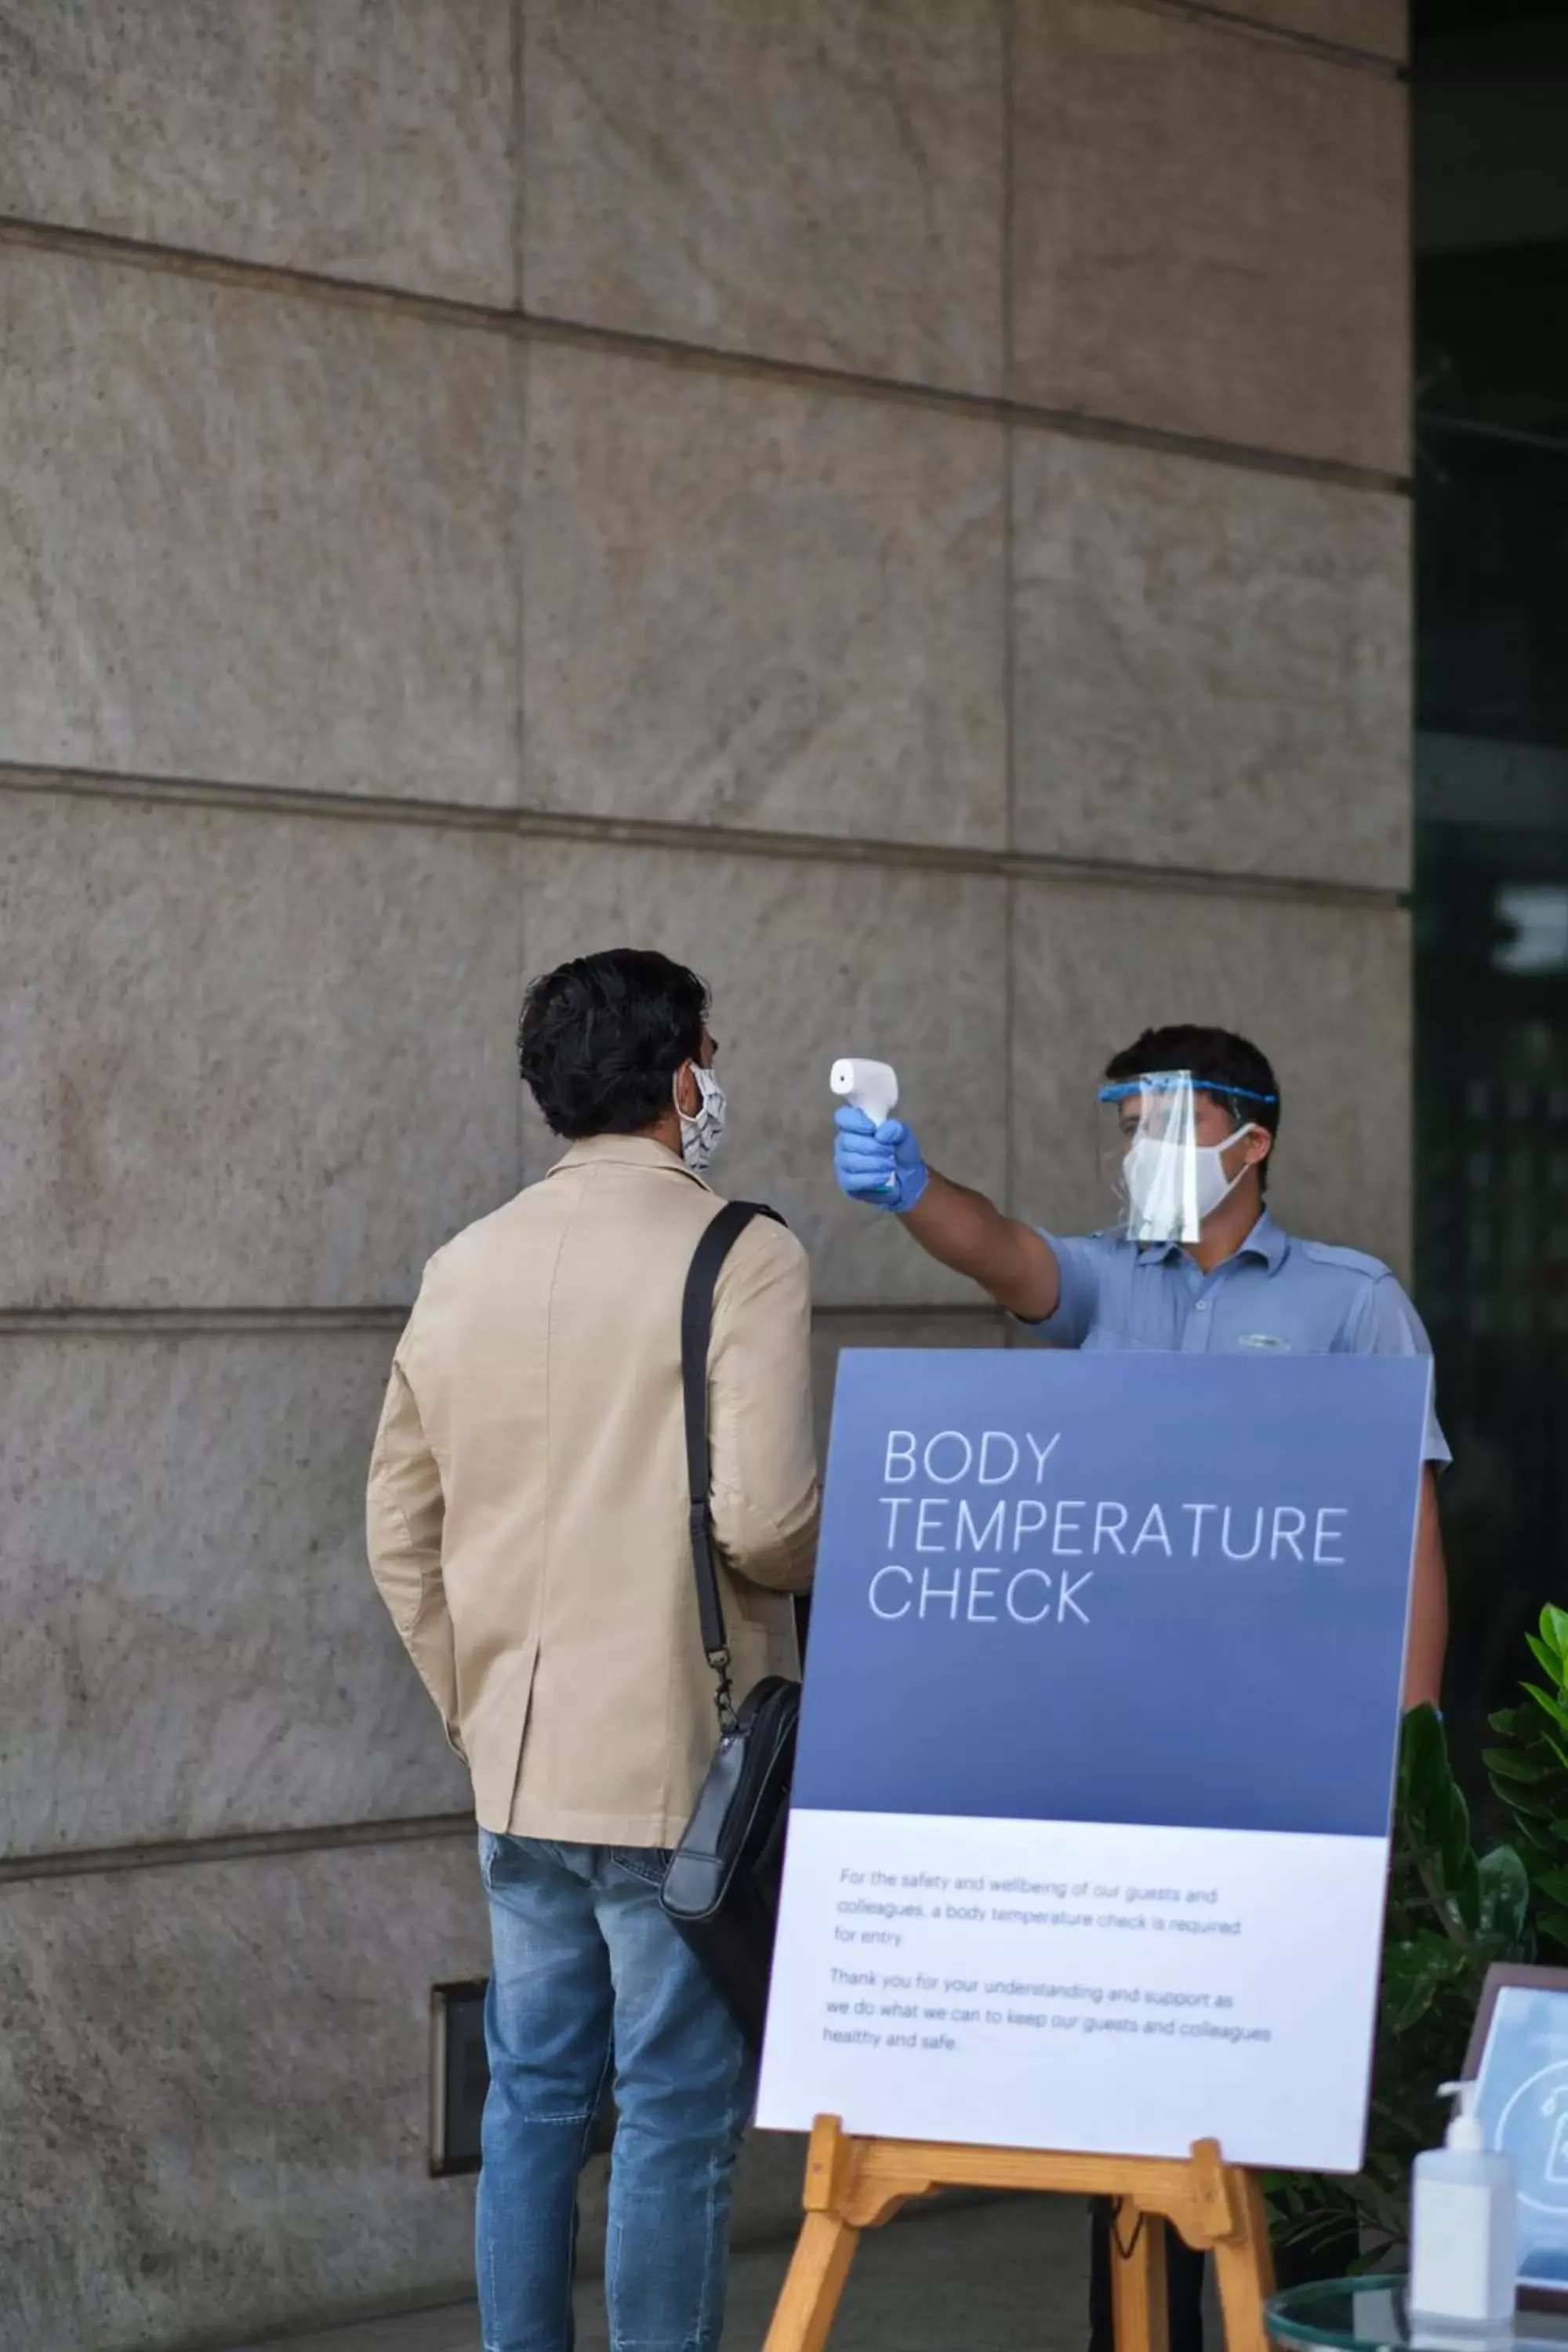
(1462,2228)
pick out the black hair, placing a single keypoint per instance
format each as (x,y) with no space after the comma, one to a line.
(601,1039)
(1230,1068)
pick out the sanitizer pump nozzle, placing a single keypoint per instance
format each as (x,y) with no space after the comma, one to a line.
(1465,2129)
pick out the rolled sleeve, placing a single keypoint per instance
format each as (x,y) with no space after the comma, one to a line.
(1078,1269)
(1386,1324)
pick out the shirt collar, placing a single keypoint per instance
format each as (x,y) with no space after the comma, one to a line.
(626,1152)
(1266,1241)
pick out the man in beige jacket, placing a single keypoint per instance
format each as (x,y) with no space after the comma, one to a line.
(528,1530)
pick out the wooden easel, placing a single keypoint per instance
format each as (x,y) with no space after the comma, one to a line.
(856,2184)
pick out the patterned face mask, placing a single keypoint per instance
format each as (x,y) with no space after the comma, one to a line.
(702,1136)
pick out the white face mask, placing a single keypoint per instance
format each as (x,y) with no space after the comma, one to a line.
(702,1136)
(1172,1187)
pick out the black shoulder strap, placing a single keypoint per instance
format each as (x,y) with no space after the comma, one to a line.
(696,1331)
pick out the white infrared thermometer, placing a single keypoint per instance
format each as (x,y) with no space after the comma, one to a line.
(871,1087)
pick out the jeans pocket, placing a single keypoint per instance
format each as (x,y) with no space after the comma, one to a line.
(647,1863)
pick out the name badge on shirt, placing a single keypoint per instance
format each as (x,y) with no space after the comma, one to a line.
(1269,1340)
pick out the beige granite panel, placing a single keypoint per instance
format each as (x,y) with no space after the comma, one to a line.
(255,538)
(348,138)
(808,960)
(196,1649)
(1324,989)
(821,183)
(1209,233)
(216,2079)
(1378,28)
(1212,666)
(749,604)
(248,1060)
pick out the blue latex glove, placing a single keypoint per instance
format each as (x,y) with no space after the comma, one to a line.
(881,1166)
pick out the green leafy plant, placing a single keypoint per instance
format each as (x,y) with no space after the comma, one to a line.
(1530,1775)
(1451,1913)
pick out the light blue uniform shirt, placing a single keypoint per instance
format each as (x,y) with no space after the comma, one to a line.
(1278,1295)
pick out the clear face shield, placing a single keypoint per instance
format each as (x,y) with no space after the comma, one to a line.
(1165,1140)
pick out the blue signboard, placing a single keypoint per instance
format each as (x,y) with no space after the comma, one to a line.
(1021,1551)
(1097,1750)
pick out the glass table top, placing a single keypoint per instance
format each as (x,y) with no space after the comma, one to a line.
(1368,2315)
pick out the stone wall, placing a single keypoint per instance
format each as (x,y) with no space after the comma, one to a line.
(896,500)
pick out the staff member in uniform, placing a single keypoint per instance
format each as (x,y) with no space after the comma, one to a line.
(1197,1265)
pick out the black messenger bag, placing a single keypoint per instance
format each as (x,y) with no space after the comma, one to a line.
(721,1884)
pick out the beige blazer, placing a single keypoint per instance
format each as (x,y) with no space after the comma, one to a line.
(527,1512)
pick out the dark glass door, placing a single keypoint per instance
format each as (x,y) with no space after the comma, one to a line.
(1490,107)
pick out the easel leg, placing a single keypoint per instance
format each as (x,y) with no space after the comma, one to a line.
(1141,2313)
(816,2281)
(1244,2266)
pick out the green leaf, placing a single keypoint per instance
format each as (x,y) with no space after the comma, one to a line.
(1547,1659)
(1507,1764)
(1418,1973)
(1421,1731)
(1551,1707)
(1460,1866)
(1505,1898)
(1555,1629)
(1537,1810)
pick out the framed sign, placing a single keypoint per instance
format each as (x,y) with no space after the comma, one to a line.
(1090,1817)
(1519,2057)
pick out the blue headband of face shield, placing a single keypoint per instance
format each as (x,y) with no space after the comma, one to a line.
(1157,1083)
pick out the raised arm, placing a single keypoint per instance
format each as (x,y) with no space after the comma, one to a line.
(884,1167)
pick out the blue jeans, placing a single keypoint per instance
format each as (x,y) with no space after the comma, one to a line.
(589,1974)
